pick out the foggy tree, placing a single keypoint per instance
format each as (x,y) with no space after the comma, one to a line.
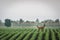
(1,24)
(37,20)
(27,21)
(21,21)
(57,20)
(7,22)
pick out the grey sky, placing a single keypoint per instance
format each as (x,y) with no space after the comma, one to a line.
(29,9)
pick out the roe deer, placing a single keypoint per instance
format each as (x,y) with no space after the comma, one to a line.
(40,27)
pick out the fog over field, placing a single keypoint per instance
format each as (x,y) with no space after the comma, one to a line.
(30,9)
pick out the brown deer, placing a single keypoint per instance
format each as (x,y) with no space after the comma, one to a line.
(41,27)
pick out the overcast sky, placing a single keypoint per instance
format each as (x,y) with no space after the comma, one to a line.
(29,9)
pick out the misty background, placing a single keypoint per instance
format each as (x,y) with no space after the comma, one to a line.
(29,9)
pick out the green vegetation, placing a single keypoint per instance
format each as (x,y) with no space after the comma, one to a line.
(29,34)
(7,22)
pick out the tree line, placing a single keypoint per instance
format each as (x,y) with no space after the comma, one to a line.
(9,21)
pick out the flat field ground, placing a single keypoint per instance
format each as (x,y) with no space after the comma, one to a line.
(29,34)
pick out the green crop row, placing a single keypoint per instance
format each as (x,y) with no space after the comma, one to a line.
(47,35)
(5,34)
(22,35)
(34,35)
(29,34)
(13,37)
(53,35)
(8,36)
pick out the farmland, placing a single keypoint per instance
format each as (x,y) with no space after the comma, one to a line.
(29,34)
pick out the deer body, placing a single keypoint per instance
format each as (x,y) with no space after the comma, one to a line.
(41,27)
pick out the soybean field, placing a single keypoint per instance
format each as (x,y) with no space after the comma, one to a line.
(29,34)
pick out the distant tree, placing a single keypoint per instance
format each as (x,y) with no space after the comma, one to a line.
(21,21)
(7,22)
(37,20)
(1,24)
(32,22)
(57,20)
(15,23)
(27,21)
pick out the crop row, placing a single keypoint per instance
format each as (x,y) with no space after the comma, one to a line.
(30,34)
